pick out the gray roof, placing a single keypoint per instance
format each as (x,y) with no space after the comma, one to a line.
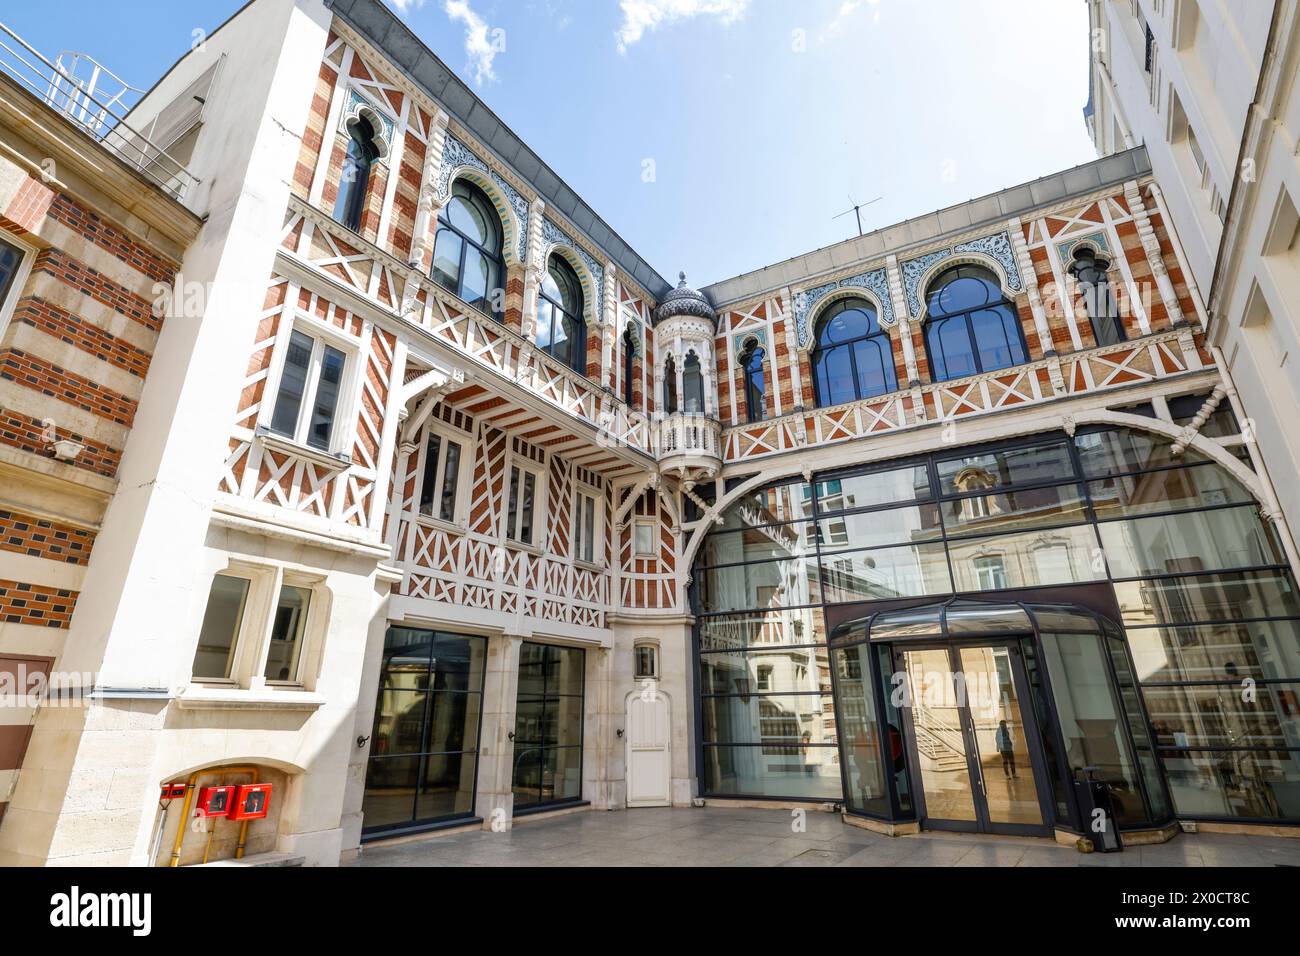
(379,25)
(684,300)
(989,210)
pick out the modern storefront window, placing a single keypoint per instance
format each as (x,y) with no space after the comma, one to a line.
(424,745)
(548,725)
(1204,606)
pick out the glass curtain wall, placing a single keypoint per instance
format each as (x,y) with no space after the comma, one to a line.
(1208,605)
(424,745)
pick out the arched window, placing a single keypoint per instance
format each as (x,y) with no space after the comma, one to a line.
(670,386)
(467,249)
(561,332)
(751,360)
(355,177)
(970,328)
(852,358)
(629,364)
(1089,270)
(692,384)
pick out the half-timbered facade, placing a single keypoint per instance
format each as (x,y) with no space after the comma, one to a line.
(460,511)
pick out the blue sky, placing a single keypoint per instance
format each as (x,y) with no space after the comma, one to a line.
(754,120)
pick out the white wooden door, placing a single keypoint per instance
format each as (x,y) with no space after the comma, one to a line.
(648,765)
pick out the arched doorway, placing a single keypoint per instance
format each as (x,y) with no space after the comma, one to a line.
(649,748)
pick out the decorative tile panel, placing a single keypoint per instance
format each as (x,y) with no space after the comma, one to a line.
(553,235)
(740,338)
(996,247)
(874,281)
(456,155)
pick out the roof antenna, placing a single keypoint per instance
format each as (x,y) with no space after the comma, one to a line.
(857,211)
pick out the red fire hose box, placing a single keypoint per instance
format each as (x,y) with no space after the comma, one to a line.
(252,801)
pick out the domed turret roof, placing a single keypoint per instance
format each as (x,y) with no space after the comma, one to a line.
(684,300)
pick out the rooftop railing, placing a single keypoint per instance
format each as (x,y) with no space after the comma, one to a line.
(96,101)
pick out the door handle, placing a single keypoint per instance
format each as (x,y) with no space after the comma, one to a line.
(979,764)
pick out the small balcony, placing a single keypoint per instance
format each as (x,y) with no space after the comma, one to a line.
(688,445)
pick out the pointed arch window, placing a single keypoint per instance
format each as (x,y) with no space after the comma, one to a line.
(354,181)
(629,364)
(670,386)
(1090,271)
(751,361)
(853,358)
(467,249)
(970,326)
(561,332)
(692,384)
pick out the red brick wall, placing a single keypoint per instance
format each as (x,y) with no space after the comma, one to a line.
(32,604)
(36,537)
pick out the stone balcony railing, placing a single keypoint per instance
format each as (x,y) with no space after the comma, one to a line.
(688,442)
(1150,358)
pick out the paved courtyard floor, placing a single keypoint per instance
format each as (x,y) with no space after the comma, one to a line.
(716,836)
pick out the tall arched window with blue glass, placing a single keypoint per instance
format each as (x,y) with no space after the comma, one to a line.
(354,180)
(970,326)
(751,360)
(629,365)
(561,332)
(467,249)
(852,359)
(1090,272)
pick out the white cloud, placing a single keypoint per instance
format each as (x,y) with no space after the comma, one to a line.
(642,15)
(481,45)
(406,6)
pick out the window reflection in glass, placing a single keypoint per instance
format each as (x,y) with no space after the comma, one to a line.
(885,573)
(1027,559)
(220,630)
(423,747)
(1188,542)
(288,625)
(1260,650)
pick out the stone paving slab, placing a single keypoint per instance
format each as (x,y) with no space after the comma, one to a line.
(711,836)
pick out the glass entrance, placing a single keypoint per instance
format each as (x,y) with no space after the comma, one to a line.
(548,726)
(974,747)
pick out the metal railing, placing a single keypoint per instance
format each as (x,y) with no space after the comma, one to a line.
(95,100)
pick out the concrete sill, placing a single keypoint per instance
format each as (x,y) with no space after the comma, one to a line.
(211,698)
(287,446)
(260,859)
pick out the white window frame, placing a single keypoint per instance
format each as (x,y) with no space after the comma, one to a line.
(654,650)
(580,492)
(27,255)
(464,474)
(653,552)
(321,334)
(252,644)
(524,464)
